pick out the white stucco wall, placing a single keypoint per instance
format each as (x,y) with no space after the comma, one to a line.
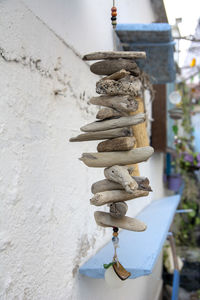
(47,227)
(86,24)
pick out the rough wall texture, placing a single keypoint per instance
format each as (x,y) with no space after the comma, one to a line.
(44,188)
(46,223)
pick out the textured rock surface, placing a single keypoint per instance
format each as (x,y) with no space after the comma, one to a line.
(40,202)
(108,67)
(128,85)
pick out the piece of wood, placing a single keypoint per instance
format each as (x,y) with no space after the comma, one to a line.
(121,272)
(143,183)
(175,115)
(108,159)
(110,66)
(113,123)
(124,103)
(102,135)
(115,196)
(145,247)
(159,128)
(135,171)
(140,133)
(106,220)
(107,112)
(128,85)
(108,185)
(117,75)
(129,169)
(105,185)
(118,209)
(114,54)
(118,144)
(121,175)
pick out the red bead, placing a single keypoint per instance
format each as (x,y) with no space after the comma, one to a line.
(114,8)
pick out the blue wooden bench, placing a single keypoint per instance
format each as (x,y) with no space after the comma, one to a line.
(139,250)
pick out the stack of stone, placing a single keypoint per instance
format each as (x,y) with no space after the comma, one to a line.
(115,125)
(176,113)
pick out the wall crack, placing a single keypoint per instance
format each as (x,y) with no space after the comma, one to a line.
(30,62)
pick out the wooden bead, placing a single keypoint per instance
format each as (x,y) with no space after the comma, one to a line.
(115,229)
(114,22)
(114,8)
(114,14)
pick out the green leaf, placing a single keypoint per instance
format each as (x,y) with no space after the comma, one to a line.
(106,266)
(197,221)
(192,214)
(175,129)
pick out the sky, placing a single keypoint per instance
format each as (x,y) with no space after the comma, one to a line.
(189,11)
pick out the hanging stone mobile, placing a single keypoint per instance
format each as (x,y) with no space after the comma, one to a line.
(118,96)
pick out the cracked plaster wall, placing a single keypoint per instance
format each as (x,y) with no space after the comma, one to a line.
(47,227)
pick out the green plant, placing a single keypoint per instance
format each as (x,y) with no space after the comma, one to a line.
(186,162)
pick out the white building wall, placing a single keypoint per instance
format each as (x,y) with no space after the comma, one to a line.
(86,24)
(47,227)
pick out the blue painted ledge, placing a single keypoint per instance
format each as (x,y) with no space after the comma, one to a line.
(139,250)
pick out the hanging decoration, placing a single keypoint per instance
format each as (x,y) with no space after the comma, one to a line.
(176,112)
(114,15)
(175,97)
(121,124)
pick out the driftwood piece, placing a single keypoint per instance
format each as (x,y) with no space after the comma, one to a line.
(176,110)
(121,272)
(102,135)
(110,66)
(128,85)
(122,176)
(109,159)
(117,75)
(105,185)
(118,209)
(114,123)
(106,220)
(108,185)
(129,169)
(143,183)
(140,133)
(115,196)
(118,144)
(107,112)
(121,103)
(114,54)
